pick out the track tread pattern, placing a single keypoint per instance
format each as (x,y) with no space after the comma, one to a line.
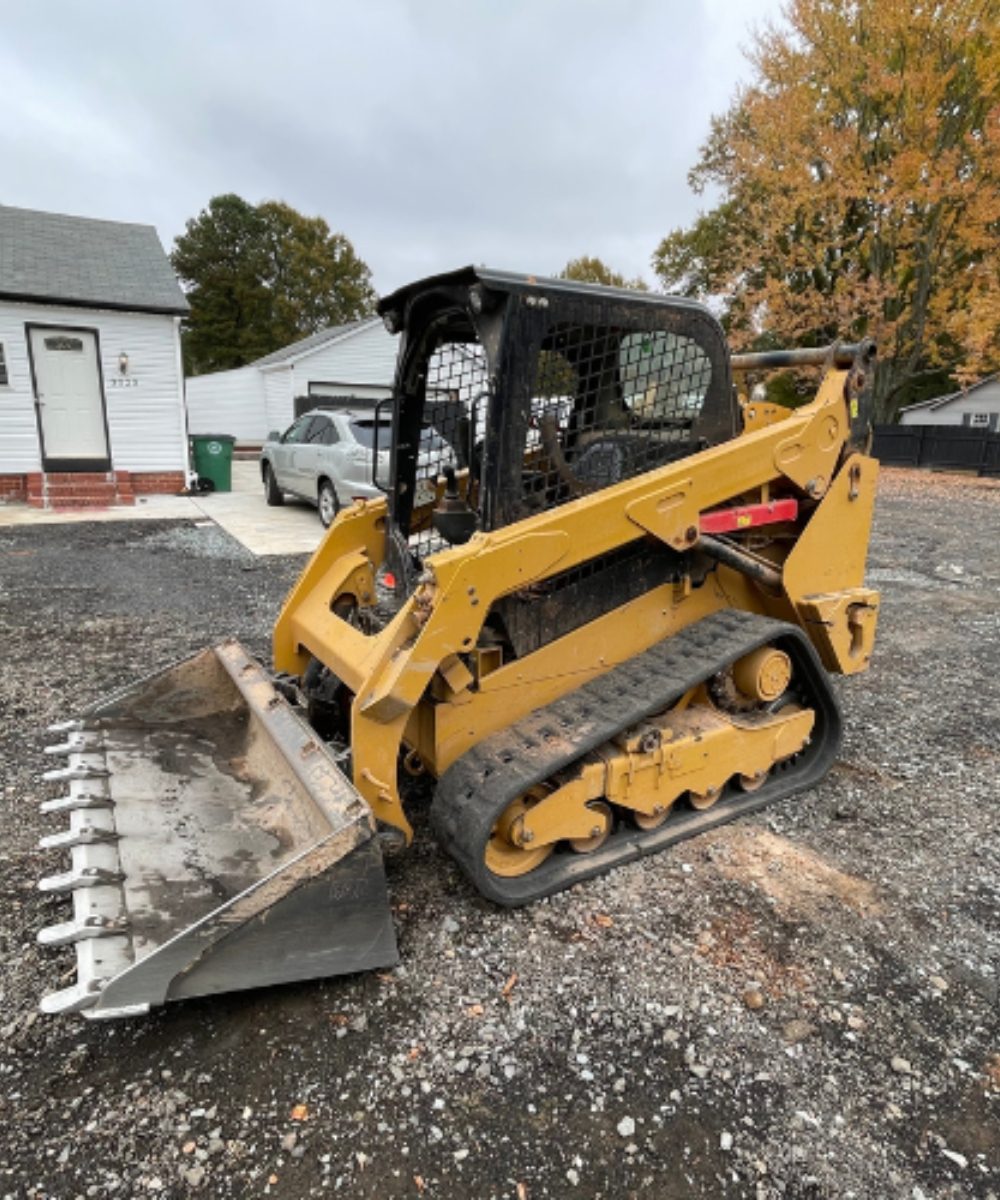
(477,787)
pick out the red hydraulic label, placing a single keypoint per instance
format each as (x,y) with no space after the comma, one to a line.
(726,520)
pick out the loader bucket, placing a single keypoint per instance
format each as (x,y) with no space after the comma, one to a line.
(215,844)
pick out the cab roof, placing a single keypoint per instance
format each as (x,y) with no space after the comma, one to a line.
(510,281)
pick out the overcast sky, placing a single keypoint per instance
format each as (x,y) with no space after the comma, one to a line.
(516,133)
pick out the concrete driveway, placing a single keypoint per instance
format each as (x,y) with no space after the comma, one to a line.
(294,528)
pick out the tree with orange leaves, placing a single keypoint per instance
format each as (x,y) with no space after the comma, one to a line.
(859,174)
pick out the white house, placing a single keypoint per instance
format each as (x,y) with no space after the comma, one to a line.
(354,362)
(977,407)
(91,381)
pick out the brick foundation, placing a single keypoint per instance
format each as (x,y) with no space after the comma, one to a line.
(88,489)
(13,487)
(159,483)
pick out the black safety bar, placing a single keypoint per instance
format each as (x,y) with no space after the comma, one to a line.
(841,354)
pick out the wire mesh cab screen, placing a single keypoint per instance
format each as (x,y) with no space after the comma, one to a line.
(453,421)
(610,401)
(537,395)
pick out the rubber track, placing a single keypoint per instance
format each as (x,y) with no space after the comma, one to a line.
(473,792)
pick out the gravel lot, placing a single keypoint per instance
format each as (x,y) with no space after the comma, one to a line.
(804,1005)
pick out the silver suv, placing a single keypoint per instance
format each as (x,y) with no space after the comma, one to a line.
(328,458)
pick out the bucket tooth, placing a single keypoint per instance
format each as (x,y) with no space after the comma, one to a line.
(78,741)
(75,999)
(65,726)
(76,771)
(86,835)
(87,827)
(68,932)
(82,800)
(79,877)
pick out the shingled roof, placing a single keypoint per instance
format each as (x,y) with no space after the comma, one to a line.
(55,259)
(314,341)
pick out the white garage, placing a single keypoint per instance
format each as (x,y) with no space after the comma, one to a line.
(975,407)
(354,362)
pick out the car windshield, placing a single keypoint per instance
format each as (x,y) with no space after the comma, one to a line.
(363,431)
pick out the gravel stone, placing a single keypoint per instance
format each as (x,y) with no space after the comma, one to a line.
(953,1156)
(797,1031)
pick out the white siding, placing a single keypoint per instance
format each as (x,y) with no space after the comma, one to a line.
(19,452)
(228,402)
(985,399)
(366,357)
(145,422)
(278,406)
(930,416)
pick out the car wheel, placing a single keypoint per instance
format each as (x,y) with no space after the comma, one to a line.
(327,503)
(272,493)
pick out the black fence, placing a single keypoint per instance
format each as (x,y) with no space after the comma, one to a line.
(945,447)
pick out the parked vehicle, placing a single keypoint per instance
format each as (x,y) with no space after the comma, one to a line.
(328,458)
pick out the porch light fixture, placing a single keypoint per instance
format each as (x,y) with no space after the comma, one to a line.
(123,363)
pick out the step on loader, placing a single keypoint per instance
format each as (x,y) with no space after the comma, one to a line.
(605,621)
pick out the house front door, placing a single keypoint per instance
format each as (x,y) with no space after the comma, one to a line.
(70,399)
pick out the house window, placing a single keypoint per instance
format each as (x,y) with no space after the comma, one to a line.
(72,344)
(980,420)
(4,378)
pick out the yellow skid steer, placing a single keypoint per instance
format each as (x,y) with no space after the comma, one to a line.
(603,622)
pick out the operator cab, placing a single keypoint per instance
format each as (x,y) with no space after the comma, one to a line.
(544,390)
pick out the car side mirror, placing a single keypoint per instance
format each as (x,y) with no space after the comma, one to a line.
(274,435)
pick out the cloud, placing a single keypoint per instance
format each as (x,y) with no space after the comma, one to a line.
(431,132)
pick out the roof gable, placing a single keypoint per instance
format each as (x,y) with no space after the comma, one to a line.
(315,341)
(942,401)
(53,258)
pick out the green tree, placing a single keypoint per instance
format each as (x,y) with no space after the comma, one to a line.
(858,177)
(587,269)
(260,276)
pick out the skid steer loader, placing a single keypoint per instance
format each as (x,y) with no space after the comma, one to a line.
(605,625)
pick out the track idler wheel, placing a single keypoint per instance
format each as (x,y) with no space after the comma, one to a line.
(653,820)
(506,854)
(703,800)
(599,834)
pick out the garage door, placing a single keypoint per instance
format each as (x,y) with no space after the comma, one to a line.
(340,395)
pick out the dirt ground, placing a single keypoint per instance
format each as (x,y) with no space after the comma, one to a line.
(803,1004)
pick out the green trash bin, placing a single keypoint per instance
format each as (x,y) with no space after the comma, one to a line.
(212,458)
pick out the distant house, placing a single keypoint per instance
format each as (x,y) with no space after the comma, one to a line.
(354,362)
(91,382)
(977,407)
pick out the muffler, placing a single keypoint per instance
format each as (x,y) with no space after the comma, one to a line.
(215,844)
